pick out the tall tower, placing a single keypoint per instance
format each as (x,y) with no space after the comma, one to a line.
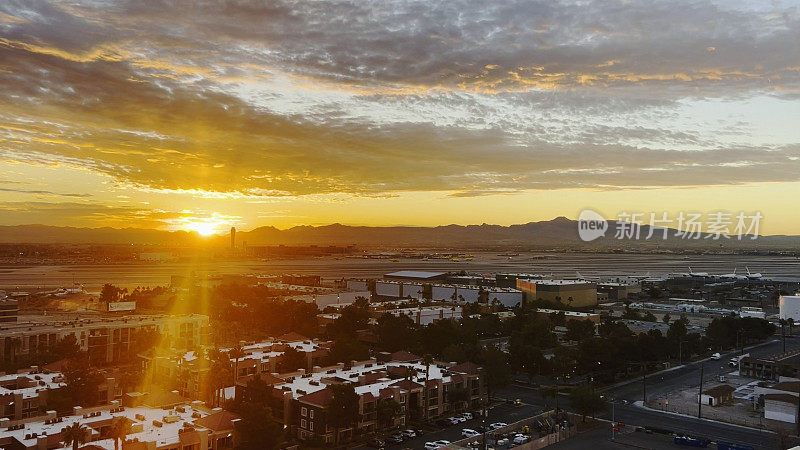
(233,238)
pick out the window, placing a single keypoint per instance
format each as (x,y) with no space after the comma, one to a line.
(311,426)
(311,414)
(303,411)
(302,423)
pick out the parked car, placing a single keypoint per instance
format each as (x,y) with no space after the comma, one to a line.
(469,432)
(518,402)
(716,356)
(396,438)
(467,416)
(520,439)
(458,419)
(444,422)
(502,442)
(376,443)
(436,444)
(497,425)
(409,434)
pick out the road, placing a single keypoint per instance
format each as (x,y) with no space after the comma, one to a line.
(684,377)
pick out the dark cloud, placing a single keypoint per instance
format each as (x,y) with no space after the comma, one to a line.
(585,93)
(44,193)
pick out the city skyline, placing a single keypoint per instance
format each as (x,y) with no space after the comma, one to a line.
(190,116)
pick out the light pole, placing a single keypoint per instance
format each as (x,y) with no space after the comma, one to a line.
(613,421)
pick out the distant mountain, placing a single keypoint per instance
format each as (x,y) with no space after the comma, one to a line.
(46,234)
(559,232)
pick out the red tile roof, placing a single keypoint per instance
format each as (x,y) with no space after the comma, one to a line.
(407,385)
(404,356)
(218,421)
(469,368)
(319,398)
(292,337)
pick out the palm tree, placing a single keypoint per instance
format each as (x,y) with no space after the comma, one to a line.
(74,435)
(118,431)
(235,353)
(427,359)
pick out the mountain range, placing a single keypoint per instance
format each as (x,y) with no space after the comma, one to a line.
(558,232)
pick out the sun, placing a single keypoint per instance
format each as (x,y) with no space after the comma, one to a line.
(203,228)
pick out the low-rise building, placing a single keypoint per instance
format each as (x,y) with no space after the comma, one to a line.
(301,399)
(574,293)
(106,340)
(22,395)
(266,357)
(771,367)
(717,395)
(181,427)
(426,315)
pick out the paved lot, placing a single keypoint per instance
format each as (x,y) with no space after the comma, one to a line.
(500,413)
(600,439)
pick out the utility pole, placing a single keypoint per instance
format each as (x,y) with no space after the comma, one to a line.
(613,420)
(644,389)
(700,396)
(783,335)
(797,419)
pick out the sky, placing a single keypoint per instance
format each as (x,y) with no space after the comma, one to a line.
(203,115)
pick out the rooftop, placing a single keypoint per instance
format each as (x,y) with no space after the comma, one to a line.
(416,274)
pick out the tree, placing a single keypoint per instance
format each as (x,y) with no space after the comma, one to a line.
(346,349)
(395,332)
(666,318)
(388,411)
(578,330)
(427,360)
(495,366)
(343,407)
(74,435)
(649,317)
(111,293)
(119,430)
(257,429)
(81,382)
(458,397)
(291,360)
(236,353)
(586,401)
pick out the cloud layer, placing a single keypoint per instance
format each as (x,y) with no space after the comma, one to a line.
(255,99)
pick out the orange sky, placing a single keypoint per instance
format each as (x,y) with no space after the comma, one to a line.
(418,113)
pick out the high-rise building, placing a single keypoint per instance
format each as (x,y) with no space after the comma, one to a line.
(233,238)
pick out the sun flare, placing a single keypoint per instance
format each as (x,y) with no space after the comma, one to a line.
(203,228)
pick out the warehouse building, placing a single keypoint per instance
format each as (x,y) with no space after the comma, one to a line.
(574,293)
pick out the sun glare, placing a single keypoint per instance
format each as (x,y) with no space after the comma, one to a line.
(202,228)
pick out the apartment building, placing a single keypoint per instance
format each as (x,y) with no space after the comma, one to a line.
(191,370)
(302,398)
(182,427)
(106,340)
(22,395)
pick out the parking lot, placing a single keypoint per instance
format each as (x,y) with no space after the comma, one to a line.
(502,412)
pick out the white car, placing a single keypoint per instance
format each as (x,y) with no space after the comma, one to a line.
(716,356)
(467,416)
(469,432)
(497,425)
(502,442)
(459,419)
(409,433)
(520,439)
(431,446)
